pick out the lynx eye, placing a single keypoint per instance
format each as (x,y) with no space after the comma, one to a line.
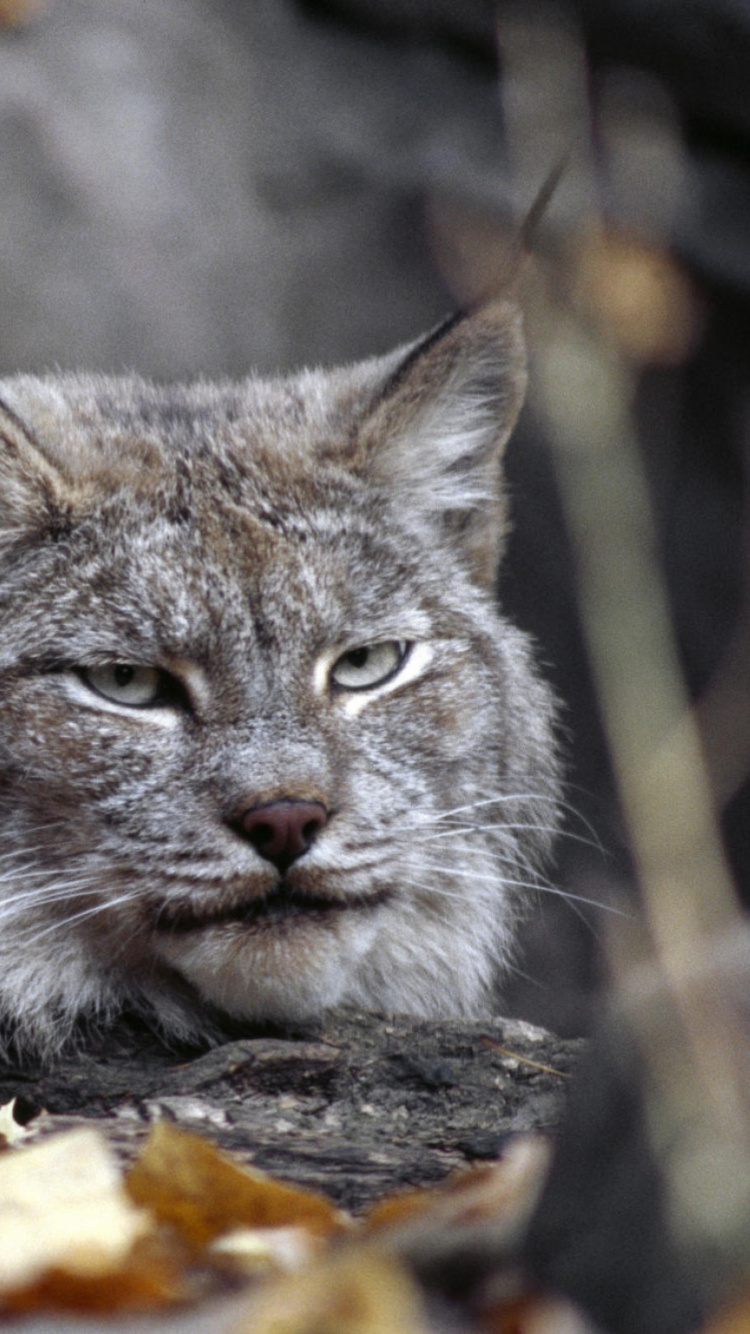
(125,683)
(368,666)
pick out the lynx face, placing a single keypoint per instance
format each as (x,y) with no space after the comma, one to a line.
(266,743)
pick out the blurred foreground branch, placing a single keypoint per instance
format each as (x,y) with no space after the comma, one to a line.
(684,1020)
(606,302)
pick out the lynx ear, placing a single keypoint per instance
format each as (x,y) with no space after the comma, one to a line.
(440,423)
(31,489)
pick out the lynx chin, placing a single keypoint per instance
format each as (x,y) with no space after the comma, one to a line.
(267,744)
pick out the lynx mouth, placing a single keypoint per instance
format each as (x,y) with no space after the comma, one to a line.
(279,905)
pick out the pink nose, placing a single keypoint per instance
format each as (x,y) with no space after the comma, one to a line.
(283,830)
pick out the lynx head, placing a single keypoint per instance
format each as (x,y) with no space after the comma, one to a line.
(266,742)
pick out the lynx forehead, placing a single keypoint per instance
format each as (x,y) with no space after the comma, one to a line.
(266,741)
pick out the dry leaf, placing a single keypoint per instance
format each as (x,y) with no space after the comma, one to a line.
(63,1206)
(504,1191)
(253,1250)
(535,1315)
(188,1183)
(359,1292)
(153,1274)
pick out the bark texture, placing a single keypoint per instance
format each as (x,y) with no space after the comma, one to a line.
(358,1107)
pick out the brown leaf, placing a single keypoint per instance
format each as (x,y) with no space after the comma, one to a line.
(186,1182)
(505,1191)
(535,1315)
(152,1275)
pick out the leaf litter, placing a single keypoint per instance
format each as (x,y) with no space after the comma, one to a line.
(187,1222)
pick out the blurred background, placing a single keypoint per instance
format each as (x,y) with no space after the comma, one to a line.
(201,187)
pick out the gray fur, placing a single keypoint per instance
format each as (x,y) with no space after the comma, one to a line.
(242,537)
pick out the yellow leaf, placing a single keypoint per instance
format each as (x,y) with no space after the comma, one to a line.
(359,1292)
(202,1192)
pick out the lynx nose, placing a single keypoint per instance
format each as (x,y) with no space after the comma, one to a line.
(281,831)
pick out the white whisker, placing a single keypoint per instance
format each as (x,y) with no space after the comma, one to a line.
(509,828)
(87,913)
(495,800)
(501,881)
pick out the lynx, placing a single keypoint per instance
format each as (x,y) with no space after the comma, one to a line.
(267,744)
